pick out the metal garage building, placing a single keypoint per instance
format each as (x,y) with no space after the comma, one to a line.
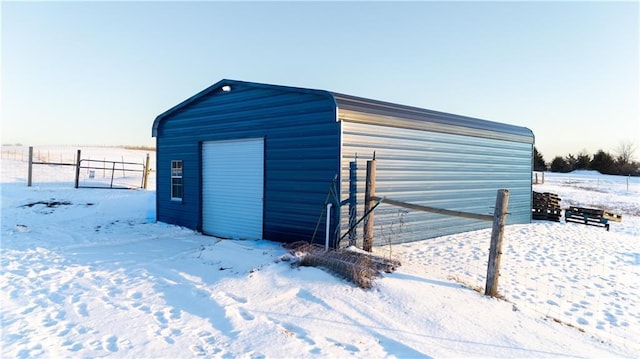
(249,160)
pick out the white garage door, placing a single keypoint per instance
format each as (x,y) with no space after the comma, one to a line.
(232,188)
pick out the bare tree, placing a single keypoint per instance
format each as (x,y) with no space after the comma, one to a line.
(626,150)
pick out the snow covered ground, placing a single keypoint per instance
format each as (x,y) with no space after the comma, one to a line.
(89,273)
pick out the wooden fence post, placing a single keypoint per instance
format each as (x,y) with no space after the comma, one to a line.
(30,170)
(78,169)
(370,192)
(497,231)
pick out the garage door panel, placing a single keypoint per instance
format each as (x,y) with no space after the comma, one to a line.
(233,188)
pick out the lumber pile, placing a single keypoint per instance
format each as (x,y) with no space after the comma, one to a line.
(546,206)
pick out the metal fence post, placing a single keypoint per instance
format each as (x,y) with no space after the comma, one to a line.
(353,201)
(78,169)
(30,170)
(113,169)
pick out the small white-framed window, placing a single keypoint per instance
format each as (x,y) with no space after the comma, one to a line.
(176,180)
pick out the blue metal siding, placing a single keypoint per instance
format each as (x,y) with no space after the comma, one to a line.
(301,152)
(177,212)
(444,170)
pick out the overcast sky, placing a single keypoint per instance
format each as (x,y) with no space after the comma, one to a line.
(99,73)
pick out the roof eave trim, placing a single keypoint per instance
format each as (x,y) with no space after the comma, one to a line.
(426,125)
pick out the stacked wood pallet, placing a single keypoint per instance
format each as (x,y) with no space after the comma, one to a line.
(546,206)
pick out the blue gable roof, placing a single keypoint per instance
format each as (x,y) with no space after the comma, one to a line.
(379,112)
(220,87)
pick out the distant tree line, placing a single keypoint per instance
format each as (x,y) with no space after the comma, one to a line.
(621,163)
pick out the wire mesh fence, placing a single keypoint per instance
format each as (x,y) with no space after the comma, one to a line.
(547,270)
(110,174)
(100,167)
(598,295)
(358,267)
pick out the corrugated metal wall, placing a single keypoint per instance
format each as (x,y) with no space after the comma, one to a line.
(301,152)
(437,169)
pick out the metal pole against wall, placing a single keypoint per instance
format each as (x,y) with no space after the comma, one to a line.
(30,170)
(353,201)
(146,173)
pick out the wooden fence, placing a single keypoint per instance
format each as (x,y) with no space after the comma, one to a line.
(497,231)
